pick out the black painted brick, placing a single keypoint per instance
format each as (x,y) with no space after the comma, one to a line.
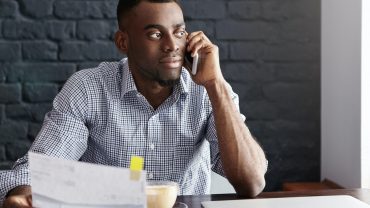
(39,110)
(247,72)
(36,8)
(248,91)
(206,26)
(2,153)
(246,50)
(292,52)
(33,130)
(95,51)
(10,93)
(261,110)
(204,9)
(11,131)
(223,48)
(85,9)
(295,30)
(6,165)
(2,113)
(294,72)
(289,93)
(96,29)
(291,9)
(71,9)
(257,128)
(40,50)
(36,92)
(288,129)
(301,112)
(23,29)
(2,74)
(245,9)
(16,150)
(241,30)
(40,72)
(60,30)
(10,51)
(8,8)
(87,65)
(28,112)
(18,112)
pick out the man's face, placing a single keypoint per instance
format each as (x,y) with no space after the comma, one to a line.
(156,41)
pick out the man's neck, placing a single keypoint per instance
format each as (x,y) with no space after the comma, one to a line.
(155,93)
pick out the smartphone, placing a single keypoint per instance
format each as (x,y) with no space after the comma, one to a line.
(192,61)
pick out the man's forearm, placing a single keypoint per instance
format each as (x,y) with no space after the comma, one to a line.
(243,160)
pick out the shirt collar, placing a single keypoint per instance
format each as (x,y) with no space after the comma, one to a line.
(182,85)
(128,83)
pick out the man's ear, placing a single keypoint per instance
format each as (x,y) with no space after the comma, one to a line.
(121,40)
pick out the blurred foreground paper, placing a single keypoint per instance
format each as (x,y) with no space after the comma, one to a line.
(59,183)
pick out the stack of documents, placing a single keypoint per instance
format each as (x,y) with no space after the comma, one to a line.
(63,183)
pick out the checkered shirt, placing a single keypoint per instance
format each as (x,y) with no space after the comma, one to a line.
(100,117)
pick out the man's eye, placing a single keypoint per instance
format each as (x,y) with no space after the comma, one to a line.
(180,34)
(156,35)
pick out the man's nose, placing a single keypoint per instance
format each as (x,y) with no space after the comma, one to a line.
(171,44)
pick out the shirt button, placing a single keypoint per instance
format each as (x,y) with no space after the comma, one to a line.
(152,146)
(150,175)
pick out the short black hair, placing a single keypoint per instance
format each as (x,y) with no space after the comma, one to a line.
(125,6)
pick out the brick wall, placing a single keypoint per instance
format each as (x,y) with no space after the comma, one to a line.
(270,53)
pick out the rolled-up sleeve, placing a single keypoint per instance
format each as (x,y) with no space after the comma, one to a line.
(63,134)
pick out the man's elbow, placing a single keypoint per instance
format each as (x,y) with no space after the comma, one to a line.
(251,188)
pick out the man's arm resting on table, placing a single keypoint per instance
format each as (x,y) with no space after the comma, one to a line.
(20,196)
(243,160)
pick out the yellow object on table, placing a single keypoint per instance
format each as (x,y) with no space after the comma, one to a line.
(136,166)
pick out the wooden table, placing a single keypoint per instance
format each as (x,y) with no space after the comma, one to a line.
(195,201)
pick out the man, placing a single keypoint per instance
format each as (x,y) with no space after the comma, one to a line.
(149,105)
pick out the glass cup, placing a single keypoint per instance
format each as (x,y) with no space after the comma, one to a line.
(161,194)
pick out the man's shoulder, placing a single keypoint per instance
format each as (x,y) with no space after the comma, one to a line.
(102,71)
(104,78)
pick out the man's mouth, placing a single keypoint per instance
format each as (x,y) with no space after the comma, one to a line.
(171,62)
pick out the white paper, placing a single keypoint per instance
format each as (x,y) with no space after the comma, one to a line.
(63,183)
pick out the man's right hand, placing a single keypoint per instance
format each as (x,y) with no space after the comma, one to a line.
(19,197)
